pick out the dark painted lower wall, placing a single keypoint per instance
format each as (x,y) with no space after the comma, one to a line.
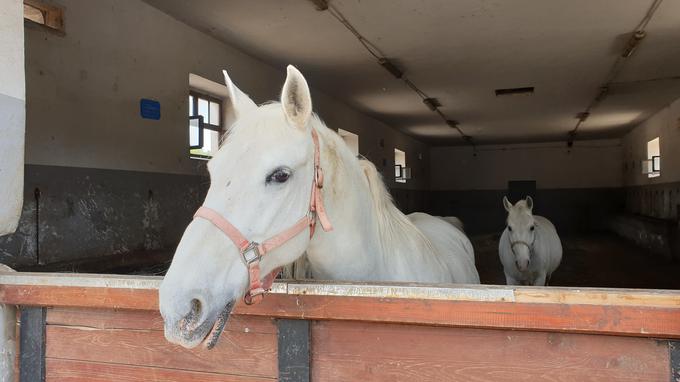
(75,214)
(660,201)
(652,218)
(571,210)
(79,213)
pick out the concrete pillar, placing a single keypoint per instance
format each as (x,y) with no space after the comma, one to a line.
(12,113)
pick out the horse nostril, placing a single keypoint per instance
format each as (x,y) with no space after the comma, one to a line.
(195,306)
(192,319)
(517,263)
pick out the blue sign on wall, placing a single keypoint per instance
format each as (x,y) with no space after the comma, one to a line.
(150,109)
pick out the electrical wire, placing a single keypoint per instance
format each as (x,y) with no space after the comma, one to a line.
(381,58)
(614,71)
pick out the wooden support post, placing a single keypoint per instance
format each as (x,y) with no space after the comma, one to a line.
(674,350)
(294,350)
(8,344)
(8,334)
(32,345)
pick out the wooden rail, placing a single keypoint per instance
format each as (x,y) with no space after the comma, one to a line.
(646,313)
(102,325)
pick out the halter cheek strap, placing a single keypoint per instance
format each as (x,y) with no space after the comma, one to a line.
(252,252)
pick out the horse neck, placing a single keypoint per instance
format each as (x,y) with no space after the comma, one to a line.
(352,250)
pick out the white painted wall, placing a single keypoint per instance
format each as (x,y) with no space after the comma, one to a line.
(84,90)
(665,124)
(12,114)
(589,164)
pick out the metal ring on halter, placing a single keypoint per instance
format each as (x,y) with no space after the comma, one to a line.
(254,249)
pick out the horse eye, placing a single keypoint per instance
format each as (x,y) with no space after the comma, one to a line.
(509,228)
(532,228)
(280,175)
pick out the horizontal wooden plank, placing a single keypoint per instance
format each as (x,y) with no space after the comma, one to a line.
(63,370)
(449,292)
(629,320)
(592,296)
(144,319)
(613,320)
(93,297)
(252,354)
(346,351)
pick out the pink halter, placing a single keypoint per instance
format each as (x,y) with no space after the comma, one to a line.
(252,252)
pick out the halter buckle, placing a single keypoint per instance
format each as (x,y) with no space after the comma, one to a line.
(251,253)
(318,177)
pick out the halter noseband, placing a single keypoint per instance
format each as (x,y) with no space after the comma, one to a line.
(522,242)
(252,252)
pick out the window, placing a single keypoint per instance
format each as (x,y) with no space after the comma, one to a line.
(205,125)
(351,139)
(47,15)
(400,170)
(653,158)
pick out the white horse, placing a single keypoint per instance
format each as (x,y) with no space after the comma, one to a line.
(454,221)
(260,182)
(300,269)
(529,248)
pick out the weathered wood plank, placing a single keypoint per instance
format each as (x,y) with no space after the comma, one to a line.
(615,320)
(252,354)
(63,370)
(144,319)
(346,351)
(294,357)
(32,345)
(585,318)
(452,292)
(93,297)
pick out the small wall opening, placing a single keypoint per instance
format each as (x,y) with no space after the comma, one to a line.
(399,166)
(654,158)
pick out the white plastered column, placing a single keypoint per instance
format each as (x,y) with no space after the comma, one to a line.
(12,114)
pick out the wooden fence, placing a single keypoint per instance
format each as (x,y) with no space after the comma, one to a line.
(107,328)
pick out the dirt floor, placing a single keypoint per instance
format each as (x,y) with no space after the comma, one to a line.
(594,260)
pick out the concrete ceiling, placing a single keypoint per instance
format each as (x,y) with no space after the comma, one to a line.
(459,52)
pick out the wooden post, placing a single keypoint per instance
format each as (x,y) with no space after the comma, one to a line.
(8,340)
(294,355)
(32,345)
(674,350)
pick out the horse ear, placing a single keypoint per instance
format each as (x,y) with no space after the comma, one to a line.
(507,204)
(295,98)
(530,203)
(236,104)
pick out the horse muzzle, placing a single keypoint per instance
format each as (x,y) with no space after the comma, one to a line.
(197,326)
(522,265)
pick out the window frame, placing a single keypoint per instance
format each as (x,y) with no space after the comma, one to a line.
(654,156)
(402,167)
(196,95)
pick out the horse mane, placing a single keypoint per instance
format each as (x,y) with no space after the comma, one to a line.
(393,225)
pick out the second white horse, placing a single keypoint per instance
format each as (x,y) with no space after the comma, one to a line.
(529,248)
